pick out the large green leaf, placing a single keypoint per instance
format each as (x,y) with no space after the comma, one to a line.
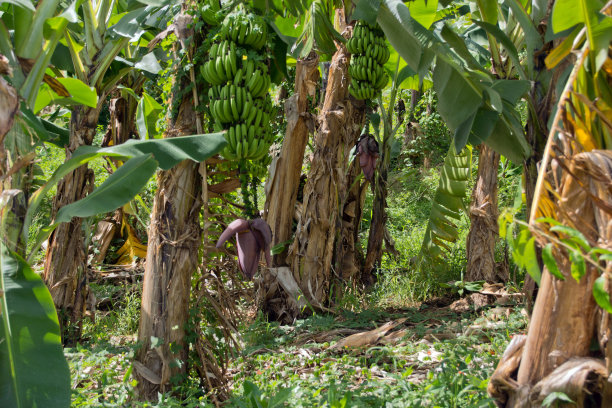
(45,130)
(481,127)
(411,40)
(21,3)
(507,43)
(167,152)
(131,24)
(278,68)
(147,113)
(29,27)
(458,98)
(532,37)
(80,94)
(366,10)
(447,204)
(568,13)
(466,96)
(32,83)
(423,11)
(317,32)
(602,297)
(117,190)
(508,138)
(149,63)
(459,45)
(511,90)
(488,10)
(550,262)
(33,370)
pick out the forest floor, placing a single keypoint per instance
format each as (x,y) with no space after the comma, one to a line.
(431,355)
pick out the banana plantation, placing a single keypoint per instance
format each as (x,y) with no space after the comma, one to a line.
(295,203)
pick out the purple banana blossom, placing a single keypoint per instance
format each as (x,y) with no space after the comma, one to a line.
(252,237)
(367,151)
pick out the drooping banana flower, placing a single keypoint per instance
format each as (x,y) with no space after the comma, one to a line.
(252,237)
(367,151)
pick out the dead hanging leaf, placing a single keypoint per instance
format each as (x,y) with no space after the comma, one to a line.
(129,208)
(132,246)
(582,133)
(56,86)
(367,338)
(546,207)
(226,186)
(27,64)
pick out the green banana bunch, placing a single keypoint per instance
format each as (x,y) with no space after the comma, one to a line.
(239,102)
(208,12)
(245,28)
(370,53)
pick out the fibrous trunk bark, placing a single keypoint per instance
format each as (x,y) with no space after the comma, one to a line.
(172,256)
(282,187)
(483,221)
(283,183)
(340,123)
(66,255)
(565,318)
(120,129)
(379,220)
(349,255)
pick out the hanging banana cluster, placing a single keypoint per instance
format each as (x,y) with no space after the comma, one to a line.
(239,99)
(209,10)
(370,53)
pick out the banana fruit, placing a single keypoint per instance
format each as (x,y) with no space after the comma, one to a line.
(370,53)
(237,71)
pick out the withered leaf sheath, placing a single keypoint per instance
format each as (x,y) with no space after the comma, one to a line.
(252,237)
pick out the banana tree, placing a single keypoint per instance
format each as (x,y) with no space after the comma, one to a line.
(282,294)
(569,218)
(29,334)
(510,31)
(378,231)
(94,47)
(476,99)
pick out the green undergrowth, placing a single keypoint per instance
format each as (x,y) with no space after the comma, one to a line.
(443,359)
(439,358)
(400,282)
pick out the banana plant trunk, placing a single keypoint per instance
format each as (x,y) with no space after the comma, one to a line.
(283,183)
(349,255)
(566,321)
(340,122)
(483,217)
(172,257)
(66,255)
(120,128)
(379,217)
(283,188)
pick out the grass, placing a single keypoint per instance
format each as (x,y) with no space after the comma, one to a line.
(437,363)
